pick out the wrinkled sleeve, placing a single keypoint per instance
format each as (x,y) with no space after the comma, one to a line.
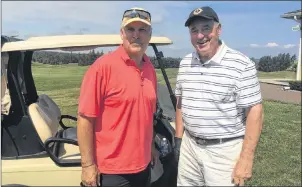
(156,87)
(248,88)
(178,88)
(92,92)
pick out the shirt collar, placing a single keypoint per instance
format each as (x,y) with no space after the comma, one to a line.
(217,57)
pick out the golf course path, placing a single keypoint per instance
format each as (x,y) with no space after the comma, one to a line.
(276,92)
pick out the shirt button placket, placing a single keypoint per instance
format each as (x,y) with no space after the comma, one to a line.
(142,83)
(201,69)
(142,78)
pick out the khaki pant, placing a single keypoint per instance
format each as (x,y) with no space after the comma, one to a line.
(210,165)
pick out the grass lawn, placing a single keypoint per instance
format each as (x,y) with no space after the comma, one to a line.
(280,75)
(278,157)
(277,75)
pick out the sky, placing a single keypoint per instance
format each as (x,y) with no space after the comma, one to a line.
(253,28)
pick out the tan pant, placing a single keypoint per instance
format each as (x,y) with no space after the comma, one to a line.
(210,165)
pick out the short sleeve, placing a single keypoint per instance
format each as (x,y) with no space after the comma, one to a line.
(178,88)
(156,87)
(92,92)
(248,88)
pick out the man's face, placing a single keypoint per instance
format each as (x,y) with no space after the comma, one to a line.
(204,35)
(136,37)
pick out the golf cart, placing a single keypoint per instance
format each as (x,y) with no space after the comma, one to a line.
(37,148)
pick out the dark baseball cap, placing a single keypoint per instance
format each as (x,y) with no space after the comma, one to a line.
(204,12)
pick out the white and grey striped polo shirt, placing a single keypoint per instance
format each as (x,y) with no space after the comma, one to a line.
(216,94)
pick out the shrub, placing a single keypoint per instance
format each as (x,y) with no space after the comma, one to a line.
(295,85)
(295,65)
(275,63)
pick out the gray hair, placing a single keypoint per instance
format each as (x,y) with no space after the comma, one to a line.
(216,23)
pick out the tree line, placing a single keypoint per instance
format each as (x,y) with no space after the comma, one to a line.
(283,61)
(58,58)
(86,59)
(280,62)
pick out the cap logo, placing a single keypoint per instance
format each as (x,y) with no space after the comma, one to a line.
(197,11)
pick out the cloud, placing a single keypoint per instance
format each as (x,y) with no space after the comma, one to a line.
(254,45)
(101,17)
(91,12)
(93,17)
(267,51)
(38,18)
(13,33)
(101,13)
(271,45)
(287,46)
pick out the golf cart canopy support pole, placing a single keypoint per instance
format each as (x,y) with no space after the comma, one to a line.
(159,55)
(296,16)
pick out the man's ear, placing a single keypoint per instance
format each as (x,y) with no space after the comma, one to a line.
(122,33)
(219,29)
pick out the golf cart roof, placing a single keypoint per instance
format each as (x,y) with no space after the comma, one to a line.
(73,42)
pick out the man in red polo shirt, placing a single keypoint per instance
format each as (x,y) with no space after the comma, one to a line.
(116,106)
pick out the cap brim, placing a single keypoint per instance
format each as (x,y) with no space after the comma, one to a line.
(189,20)
(135,19)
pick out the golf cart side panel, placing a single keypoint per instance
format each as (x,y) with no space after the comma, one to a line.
(23,139)
(39,172)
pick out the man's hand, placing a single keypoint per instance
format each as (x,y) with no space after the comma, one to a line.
(154,156)
(90,176)
(244,166)
(85,134)
(243,170)
(179,130)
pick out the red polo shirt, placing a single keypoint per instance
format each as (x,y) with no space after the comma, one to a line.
(123,99)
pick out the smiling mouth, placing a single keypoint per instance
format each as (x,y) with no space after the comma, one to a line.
(203,42)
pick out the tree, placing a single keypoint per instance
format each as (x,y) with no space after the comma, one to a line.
(253,59)
(265,64)
(287,62)
(276,63)
(293,59)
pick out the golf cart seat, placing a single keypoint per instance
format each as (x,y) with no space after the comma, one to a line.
(65,132)
(46,118)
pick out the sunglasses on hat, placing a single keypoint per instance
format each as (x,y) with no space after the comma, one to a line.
(137,13)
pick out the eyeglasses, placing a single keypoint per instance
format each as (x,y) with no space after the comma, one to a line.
(137,13)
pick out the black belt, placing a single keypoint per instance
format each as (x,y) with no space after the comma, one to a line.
(203,141)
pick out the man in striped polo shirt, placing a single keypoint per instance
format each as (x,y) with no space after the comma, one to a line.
(219,108)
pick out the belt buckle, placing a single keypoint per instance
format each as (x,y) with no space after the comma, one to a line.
(201,141)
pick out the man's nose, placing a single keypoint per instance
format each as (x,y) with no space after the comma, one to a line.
(200,35)
(135,34)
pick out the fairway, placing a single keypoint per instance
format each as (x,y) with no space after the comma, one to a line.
(277,75)
(278,157)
